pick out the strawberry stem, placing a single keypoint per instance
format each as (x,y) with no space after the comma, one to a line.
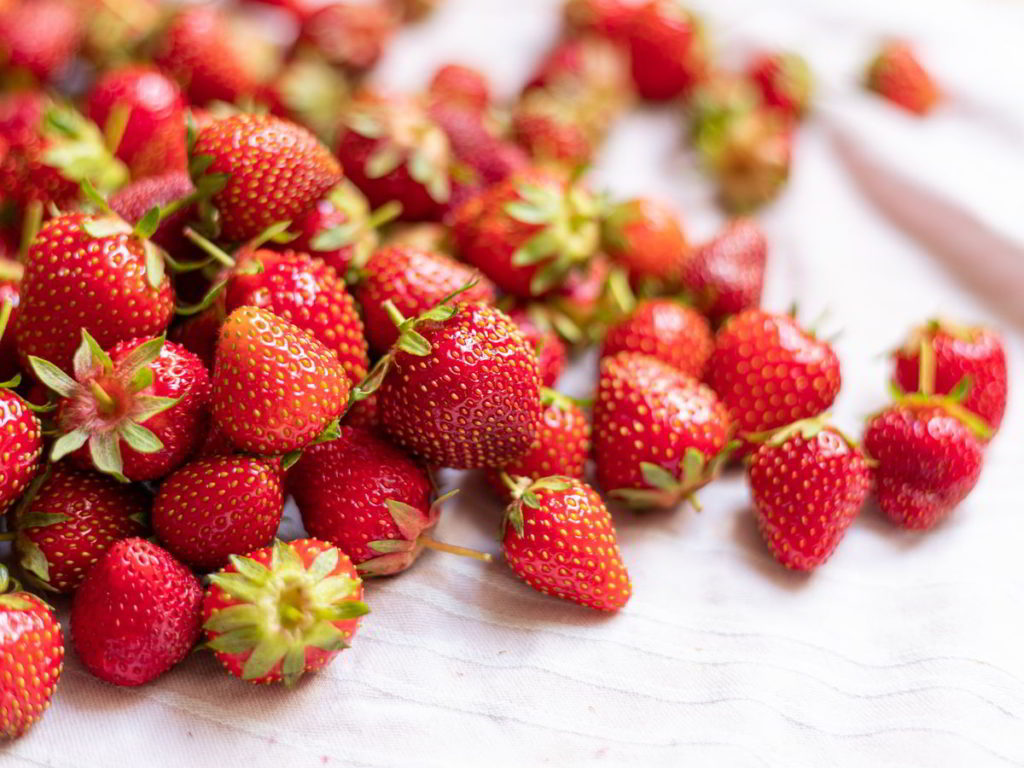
(5,316)
(33,219)
(387,212)
(926,368)
(441,546)
(105,402)
(209,248)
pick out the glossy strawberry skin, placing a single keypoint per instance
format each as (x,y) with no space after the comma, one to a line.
(136,615)
(21,445)
(725,275)
(672,332)
(807,491)
(551,353)
(667,50)
(645,237)
(363,414)
(212,508)
(928,462)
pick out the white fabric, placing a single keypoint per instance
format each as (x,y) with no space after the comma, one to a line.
(905,649)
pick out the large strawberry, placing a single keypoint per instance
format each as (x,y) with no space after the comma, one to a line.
(645,238)
(216,507)
(896,74)
(283,610)
(725,275)
(672,332)
(40,37)
(135,412)
(351,35)
(659,434)
(70,522)
(784,80)
(31,657)
(668,49)
(808,482)
(558,537)
(136,615)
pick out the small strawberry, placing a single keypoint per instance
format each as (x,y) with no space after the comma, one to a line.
(672,332)
(808,482)
(69,523)
(558,537)
(213,508)
(351,35)
(551,353)
(172,190)
(784,80)
(896,74)
(725,275)
(283,610)
(645,238)
(136,412)
(460,85)
(275,387)
(553,130)
(609,18)
(11,273)
(669,51)
(40,37)
(590,72)
(721,98)
(21,435)
(273,170)
(31,657)
(659,434)
(136,615)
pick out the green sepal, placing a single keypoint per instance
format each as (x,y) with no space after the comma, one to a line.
(52,376)
(138,437)
(235,641)
(148,406)
(68,443)
(146,227)
(105,227)
(233,617)
(105,452)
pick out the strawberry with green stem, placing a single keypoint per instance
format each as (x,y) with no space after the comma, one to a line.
(21,434)
(896,74)
(644,237)
(725,275)
(784,80)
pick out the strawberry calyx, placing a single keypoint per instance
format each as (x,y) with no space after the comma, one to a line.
(523,490)
(33,563)
(929,330)
(235,265)
(359,229)
(667,490)
(11,595)
(78,149)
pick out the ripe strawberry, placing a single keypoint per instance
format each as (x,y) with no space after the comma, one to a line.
(136,412)
(198,334)
(609,18)
(40,37)
(21,444)
(672,332)
(589,71)
(659,434)
(959,351)
(275,170)
(275,387)
(133,201)
(896,74)
(460,388)
(808,482)
(554,130)
(560,447)
(725,275)
(31,657)
(576,305)
(363,414)
(142,114)
(558,537)
(215,507)
(528,231)
(784,80)
(551,353)
(70,522)
(770,372)
(351,35)
(136,615)
(668,50)
(11,273)
(460,85)
(283,610)
(392,150)
(111,283)
(414,280)
(644,237)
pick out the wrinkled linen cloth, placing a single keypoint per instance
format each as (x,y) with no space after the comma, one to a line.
(903,650)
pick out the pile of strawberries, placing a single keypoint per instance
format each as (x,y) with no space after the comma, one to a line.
(233,273)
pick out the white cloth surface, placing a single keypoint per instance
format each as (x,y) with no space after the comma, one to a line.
(903,650)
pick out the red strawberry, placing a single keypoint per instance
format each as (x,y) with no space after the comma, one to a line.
(11,273)
(414,280)
(198,334)
(672,332)
(283,610)
(460,85)
(275,387)
(71,521)
(959,351)
(215,507)
(528,231)
(784,80)
(659,434)
(111,283)
(770,372)
(136,615)
(808,482)
(460,388)
(560,447)
(610,18)
(578,301)
(721,98)
(896,74)
(142,113)
(351,35)
(551,354)
(363,414)
(554,130)
(668,50)
(136,412)
(275,170)
(21,444)
(40,37)
(558,537)
(725,275)
(135,200)
(31,657)
(644,237)
(590,72)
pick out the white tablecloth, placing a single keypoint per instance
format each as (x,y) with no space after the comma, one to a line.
(905,649)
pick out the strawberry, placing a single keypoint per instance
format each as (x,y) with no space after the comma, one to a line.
(645,238)
(283,610)
(460,388)
(576,305)
(198,334)
(560,446)
(959,351)
(69,523)
(174,189)
(590,72)
(275,170)
(558,537)
(719,99)
(553,130)
(609,18)
(659,434)
(11,273)
(21,444)
(142,114)
(136,615)
(460,85)
(528,231)
(808,482)
(40,37)
(216,507)
(672,332)
(363,414)
(275,387)
(111,283)
(414,280)
(392,150)
(784,80)
(769,371)
(551,353)
(31,657)
(351,35)
(725,275)
(669,51)
(307,90)
(135,412)
(896,74)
